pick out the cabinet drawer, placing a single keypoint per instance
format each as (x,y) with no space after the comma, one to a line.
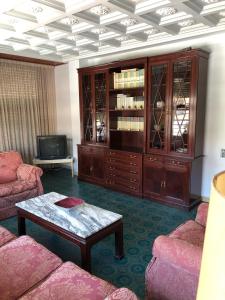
(123,184)
(153,159)
(129,169)
(124,156)
(129,177)
(170,162)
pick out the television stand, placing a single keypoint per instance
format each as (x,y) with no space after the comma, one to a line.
(68,160)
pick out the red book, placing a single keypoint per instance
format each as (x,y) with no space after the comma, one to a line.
(69,202)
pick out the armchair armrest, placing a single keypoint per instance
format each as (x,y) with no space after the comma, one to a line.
(30,173)
(202,212)
(179,253)
(122,294)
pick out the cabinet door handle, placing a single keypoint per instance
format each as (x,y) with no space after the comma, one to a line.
(164,185)
(161,184)
(91,168)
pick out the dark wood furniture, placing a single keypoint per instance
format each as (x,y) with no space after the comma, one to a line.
(142,126)
(85,244)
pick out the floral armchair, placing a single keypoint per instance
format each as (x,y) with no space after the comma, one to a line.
(173,272)
(18,182)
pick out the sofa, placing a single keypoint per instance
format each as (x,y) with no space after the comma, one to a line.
(30,271)
(173,272)
(18,181)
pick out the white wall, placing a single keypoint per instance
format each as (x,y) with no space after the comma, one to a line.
(67,105)
(215,102)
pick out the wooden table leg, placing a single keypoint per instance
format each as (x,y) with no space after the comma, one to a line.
(21,225)
(119,241)
(86,257)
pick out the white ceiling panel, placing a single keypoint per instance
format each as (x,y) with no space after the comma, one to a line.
(71,29)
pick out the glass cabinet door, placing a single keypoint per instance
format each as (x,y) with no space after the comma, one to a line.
(87,108)
(100,107)
(181,106)
(158,106)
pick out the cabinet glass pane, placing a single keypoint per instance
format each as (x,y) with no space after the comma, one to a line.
(181,106)
(100,107)
(157,106)
(87,108)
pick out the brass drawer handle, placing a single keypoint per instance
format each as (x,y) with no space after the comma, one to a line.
(133,180)
(132,187)
(133,164)
(133,156)
(133,172)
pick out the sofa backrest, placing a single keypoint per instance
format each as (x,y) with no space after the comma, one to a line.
(9,163)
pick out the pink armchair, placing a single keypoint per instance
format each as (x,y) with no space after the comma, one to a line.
(18,181)
(173,272)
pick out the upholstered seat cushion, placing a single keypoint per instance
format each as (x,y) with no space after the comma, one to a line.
(71,283)
(9,162)
(5,236)
(23,263)
(191,232)
(16,187)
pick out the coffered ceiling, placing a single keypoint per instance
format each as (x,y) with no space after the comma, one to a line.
(63,30)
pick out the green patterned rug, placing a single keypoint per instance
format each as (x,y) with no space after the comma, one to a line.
(143,220)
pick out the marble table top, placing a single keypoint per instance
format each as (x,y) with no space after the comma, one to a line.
(82,220)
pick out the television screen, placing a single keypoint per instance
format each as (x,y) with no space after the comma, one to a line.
(51,146)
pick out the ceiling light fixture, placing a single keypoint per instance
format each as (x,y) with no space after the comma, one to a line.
(210,1)
(99,30)
(37,9)
(166,11)
(129,22)
(123,38)
(100,10)
(151,31)
(186,23)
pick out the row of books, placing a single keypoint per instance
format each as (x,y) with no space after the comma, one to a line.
(127,102)
(130,123)
(128,78)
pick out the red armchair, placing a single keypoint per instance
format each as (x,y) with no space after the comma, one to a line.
(18,182)
(174,269)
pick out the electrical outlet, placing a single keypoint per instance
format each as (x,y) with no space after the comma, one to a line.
(222,153)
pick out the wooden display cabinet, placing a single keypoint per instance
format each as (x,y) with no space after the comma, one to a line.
(147,111)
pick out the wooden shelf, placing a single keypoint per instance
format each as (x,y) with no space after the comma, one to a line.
(141,88)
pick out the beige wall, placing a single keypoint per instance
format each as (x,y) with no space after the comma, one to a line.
(215,102)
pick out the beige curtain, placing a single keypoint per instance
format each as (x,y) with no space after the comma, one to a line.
(27,106)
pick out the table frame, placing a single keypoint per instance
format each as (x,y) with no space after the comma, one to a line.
(85,244)
(68,160)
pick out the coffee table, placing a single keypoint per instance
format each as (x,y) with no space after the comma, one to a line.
(82,224)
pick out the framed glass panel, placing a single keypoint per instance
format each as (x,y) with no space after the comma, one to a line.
(87,108)
(181,106)
(100,107)
(157,106)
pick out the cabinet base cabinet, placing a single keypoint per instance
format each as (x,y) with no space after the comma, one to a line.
(166,180)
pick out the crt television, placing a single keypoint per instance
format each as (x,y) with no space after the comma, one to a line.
(51,146)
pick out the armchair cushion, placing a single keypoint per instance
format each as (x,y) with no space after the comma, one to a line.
(15,187)
(9,162)
(23,263)
(202,213)
(122,294)
(28,172)
(72,283)
(190,232)
(5,236)
(178,252)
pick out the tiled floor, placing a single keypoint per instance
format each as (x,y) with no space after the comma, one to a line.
(143,219)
